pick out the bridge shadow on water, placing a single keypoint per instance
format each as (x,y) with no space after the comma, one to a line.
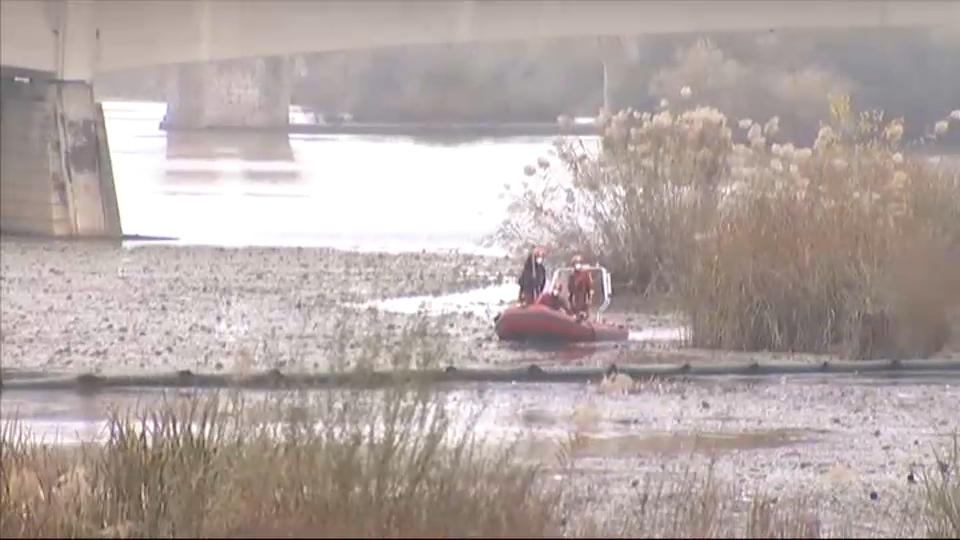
(212,144)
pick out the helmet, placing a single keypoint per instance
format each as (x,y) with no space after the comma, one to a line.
(537,254)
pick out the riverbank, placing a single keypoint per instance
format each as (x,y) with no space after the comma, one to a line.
(774,456)
(92,306)
(622,458)
(104,308)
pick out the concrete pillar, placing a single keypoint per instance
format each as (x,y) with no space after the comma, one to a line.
(617,56)
(238,108)
(609,103)
(56,178)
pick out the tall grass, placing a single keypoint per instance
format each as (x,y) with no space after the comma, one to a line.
(359,465)
(402,462)
(763,245)
(376,465)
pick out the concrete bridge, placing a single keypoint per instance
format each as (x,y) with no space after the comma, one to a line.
(56,177)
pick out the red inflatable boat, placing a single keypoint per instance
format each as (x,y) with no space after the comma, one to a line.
(539,322)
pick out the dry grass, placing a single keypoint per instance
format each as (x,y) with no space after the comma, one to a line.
(364,464)
(849,244)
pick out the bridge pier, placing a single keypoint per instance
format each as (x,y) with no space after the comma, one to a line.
(234,108)
(609,89)
(56,178)
(618,57)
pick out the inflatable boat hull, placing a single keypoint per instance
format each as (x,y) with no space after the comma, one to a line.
(537,322)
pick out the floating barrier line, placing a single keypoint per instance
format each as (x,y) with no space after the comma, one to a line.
(276,379)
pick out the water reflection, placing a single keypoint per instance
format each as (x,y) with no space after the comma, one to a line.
(499,410)
(67,418)
(344,192)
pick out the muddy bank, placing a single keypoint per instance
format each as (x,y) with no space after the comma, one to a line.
(95,307)
(88,307)
(849,453)
(852,453)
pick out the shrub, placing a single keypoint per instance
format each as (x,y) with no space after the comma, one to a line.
(761,244)
(394,464)
(360,464)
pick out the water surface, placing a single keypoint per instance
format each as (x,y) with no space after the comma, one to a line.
(346,192)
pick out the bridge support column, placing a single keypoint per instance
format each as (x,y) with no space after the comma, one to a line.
(609,90)
(56,178)
(235,108)
(617,56)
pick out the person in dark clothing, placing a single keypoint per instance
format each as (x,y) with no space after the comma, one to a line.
(533,278)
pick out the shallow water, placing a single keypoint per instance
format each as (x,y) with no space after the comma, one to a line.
(836,441)
(68,418)
(554,410)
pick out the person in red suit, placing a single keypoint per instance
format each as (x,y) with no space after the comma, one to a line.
(580,288)
(556,300)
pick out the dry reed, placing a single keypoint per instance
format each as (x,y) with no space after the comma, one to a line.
(850,245)
(363,464)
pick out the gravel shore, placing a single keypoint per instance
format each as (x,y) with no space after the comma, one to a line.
(97,307)
(100,307)
(845,448)
(847,454)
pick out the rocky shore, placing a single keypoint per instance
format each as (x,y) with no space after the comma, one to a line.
(99,307)
(96,307)
(848,457)
(853,451)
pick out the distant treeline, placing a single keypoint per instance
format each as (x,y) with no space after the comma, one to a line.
(915,74)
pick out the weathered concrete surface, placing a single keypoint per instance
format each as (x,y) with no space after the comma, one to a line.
(232,93)
(138,33)
(33,195)
(86,160)
(212,105)
(227,143)
(57,179)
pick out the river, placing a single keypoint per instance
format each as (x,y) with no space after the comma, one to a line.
(398,195)
(347,192)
